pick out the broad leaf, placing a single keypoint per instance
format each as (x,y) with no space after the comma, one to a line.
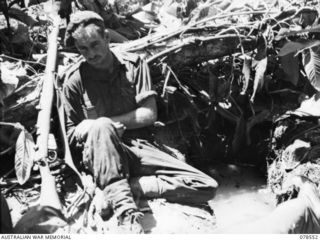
(24,156)
(311,64)
(260,68)
(290,66)
(305,17)
(295,47)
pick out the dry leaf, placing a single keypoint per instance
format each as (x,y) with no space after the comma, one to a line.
(260,68)
(246,71)
(24,156)
(311,64)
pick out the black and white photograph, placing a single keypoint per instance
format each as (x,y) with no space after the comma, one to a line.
(149,117)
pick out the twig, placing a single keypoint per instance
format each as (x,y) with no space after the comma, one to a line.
(10,188)
(302,133)
(285,90)
(224,16)
(230,15)
(295,32)
(165,52)
(7,174)
(236,105)
(4,183)
(178,81)
(7,150)
(159,38)
(238,34)
(165,83)
(16,125)
(25,61)
(252,109)
(29,67)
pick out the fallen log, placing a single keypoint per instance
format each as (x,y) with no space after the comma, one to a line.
(191,45)
(197,50)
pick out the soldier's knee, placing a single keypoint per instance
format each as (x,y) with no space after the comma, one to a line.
(102,122)
(214,184)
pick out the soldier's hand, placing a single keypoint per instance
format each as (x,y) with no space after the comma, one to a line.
(82,130)
(119,127)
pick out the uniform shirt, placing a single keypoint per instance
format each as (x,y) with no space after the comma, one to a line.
(91,93)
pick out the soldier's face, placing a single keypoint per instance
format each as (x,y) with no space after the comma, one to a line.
(92,45)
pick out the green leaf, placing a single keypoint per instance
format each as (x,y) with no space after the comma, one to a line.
(290,66)
(295,47)
(305,17)
(311,64)
(24,156)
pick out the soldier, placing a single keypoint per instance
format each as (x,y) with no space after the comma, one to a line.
(109,105)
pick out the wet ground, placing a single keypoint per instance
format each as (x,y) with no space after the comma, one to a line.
(241,198)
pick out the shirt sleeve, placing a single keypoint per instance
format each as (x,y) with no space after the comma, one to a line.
(72,94)
(143,82)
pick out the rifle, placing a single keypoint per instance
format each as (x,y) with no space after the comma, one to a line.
(49,91)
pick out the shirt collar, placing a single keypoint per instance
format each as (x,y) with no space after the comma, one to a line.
(120,59)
